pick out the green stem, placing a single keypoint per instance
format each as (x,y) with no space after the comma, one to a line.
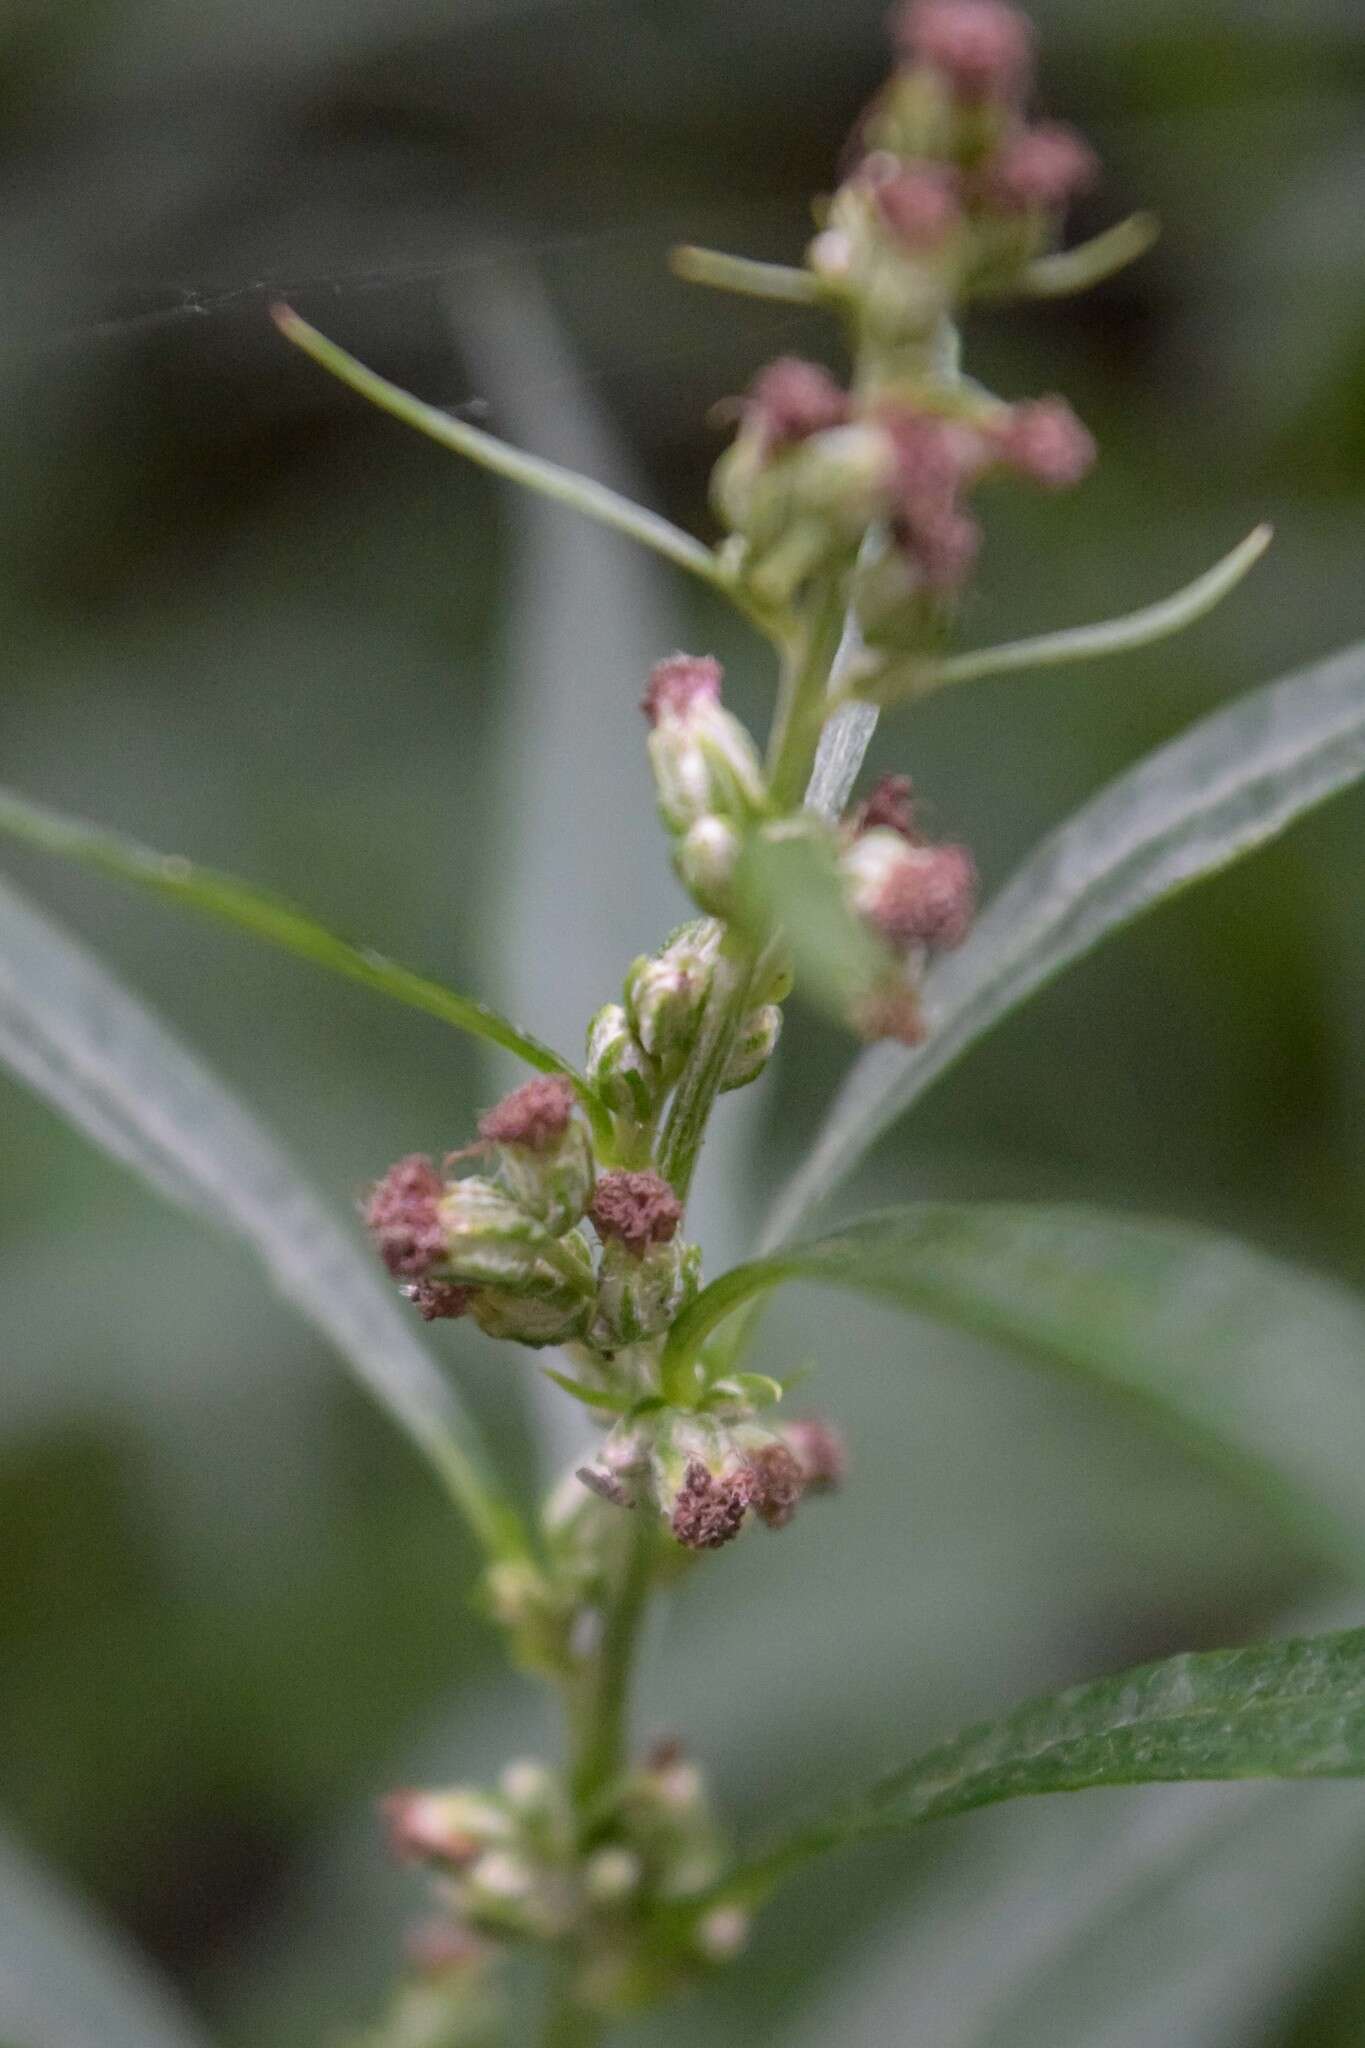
(699,1084)
(802,700)
(599,1697)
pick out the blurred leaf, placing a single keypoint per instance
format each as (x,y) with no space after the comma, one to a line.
(106,1063)
(787,881)
(66,1981)
(265,916)
(1230,784)
(1294,1709)
(1247,1358)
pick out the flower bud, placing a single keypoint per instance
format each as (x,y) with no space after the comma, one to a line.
(705,858)
(983,48)
(618,1067)
(665,995)
(439,1300)
(703,1482)
(403,1217)
(1046,442)
(721,1934)
(491,1241)
(542,1151)
(919,204)
(911,895)
(754,1046)
(443,1827)
(550,1305)
(703,759)
(1040,170)
(779,1481)
(820,1451)
(790,400)
(611,1875)
(888,805)
(635,1209)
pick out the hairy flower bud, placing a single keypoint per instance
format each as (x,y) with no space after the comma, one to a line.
(936,460)
(403,1217)
(665,994)
(1040,170)
(451,1828)
(705,858)
(704,761)
(543,1155)
(755,1043)
(911,895)
(553,1308)
(439,1300)
(635,1209)
(1044,440)
(491,1241)
(919,204)
(619,1068)
(982,47)
(779,1482)
(790,400)
(889,805)
(703,1481)
(820,1451)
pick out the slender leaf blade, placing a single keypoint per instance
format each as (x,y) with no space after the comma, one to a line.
(108,1064)
(1230,784)
(1253,1362)
(266,916)
(1293,1709)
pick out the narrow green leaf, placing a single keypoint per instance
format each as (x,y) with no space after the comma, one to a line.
(108,1064)
(594,500)
(591,1397)
(68,1981)
(1293,1709)
(1230,784)
(1088,643)
(1089,263)
(742,274)
(265,916)
(1251,1361)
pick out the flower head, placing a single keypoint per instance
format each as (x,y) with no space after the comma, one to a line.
(637,1209)
(779,1483)
(982,47)
(820,1451)
(439,1300)
(790,400)
(403,1218)
(679,683)
(919,203)
(534,1115)
(709,1508)
(1045,441)
(1041,169)
(889,805)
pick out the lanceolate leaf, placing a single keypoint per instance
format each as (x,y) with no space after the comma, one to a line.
(106,1062)
(1252,1361)
(1280,1710)
(66,1981)
(1233,782)
(267,917)
(791,884)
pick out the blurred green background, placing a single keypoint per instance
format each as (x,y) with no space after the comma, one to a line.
(246,619)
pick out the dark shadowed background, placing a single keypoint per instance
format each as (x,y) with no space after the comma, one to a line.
(244,618)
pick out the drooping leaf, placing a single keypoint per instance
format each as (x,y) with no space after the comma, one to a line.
(265,916)
(1229,785)
(1293,1709)
(1249,1360)
(67,1981)
(108,1064)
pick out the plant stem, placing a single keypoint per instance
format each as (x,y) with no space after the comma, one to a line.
(697,1089)
(599,1698)
(801,704)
